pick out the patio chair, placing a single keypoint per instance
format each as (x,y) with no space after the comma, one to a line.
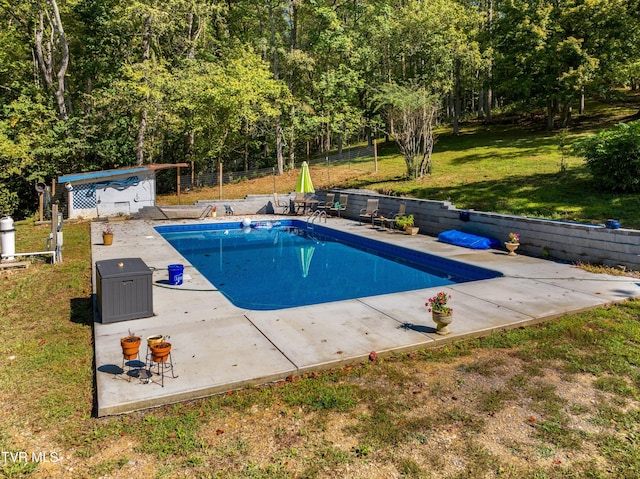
(370,212)
(340,205)
(277,203)
(329,201)
(391,221)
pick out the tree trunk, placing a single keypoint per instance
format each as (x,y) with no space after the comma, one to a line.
(279,156)
(293,44)
(551,111)
(142,127)
(195,26)
(489,99)
(481,95)
(276,77)
(53,55)
(246,146)
(566,114)
(428,140)
(456,100)
(292,138)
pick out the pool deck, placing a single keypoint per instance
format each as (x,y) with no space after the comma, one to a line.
(217,347)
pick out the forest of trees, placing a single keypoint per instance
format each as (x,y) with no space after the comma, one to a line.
(97,84)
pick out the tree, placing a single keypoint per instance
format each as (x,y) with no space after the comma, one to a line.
(52,53)
(412,111)
(549,53)
(224,97)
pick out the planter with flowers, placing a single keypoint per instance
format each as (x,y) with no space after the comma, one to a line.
(214,211)
(107,236)
(513,243)
(441,313)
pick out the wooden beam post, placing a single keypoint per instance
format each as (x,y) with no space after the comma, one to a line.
(54,231)
(375,155)
(178,183)
(219,180)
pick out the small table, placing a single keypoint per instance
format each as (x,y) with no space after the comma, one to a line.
(382,220)
(304,204)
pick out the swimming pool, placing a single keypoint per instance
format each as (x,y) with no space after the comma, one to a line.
(277,265)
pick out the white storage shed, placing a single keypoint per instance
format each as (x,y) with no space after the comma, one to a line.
(123,191)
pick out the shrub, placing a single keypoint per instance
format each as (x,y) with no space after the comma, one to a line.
(613,156)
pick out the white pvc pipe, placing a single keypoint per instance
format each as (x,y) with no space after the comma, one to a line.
(27,254)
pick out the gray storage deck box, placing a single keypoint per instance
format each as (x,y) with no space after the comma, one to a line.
(123,289)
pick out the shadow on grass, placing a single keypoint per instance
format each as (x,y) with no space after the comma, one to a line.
(81,311)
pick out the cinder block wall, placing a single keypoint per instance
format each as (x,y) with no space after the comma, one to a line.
(250,204)
(538,237)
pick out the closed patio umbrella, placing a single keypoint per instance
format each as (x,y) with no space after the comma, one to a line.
(304,184)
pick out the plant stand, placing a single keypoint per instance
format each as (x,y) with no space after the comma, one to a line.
(162,364)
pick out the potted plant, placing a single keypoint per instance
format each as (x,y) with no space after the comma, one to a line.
(160,351)
(214,211)
(130,346)
(107,236)
(155,339)
(513,243)
(406,223)
(441,314)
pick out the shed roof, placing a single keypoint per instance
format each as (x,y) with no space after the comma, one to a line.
(93,175)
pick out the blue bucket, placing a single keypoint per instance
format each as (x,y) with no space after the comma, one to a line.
(175,274)
(612,224)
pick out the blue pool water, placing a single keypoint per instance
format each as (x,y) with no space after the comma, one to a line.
(267,266)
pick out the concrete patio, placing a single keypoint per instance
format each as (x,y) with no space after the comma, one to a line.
(218,347)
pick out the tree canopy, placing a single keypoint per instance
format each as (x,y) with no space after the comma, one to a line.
(93,84)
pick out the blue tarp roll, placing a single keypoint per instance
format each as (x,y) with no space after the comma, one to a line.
(468,240)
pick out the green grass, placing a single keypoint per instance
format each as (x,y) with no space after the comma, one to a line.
(388,413)
(511,171)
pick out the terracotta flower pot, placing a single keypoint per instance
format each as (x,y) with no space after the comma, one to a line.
(160,352)
(130,347)
(107,239)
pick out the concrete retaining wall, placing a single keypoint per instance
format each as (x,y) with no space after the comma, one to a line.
(538,237)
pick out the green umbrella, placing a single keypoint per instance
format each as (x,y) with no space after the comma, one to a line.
(304,184)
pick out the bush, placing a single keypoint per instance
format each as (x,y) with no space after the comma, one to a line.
(613,156)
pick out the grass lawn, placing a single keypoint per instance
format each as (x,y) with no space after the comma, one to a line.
(559,400)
